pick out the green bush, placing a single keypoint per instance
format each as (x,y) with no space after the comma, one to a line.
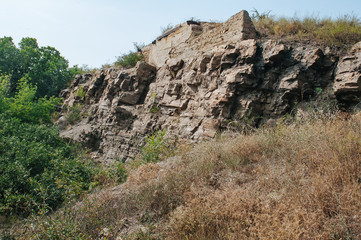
(128,60)
(39,170)
(24,105)
(74,113)
(81,93)
(115,173)
(156,146)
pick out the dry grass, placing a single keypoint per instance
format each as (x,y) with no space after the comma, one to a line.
(303,183)
(342,32)
(295,181)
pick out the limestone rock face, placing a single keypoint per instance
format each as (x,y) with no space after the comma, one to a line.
(198,80)
(189,39)
(108,111)
(347,85)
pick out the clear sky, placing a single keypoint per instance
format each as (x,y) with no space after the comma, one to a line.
(94,32)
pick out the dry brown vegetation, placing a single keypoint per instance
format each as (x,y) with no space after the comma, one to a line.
(341,32)
(296,181)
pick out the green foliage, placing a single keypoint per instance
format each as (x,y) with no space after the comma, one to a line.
(156,146)
(54,227)
(24,105)
(39,170)
(115,173)
(81,93)
(4,91)
(138,46)
(118,172)
(128,60)
(154,109)
(155,106)
(74,113)
(43,67)
(82,69)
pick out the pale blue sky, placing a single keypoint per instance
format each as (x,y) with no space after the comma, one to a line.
(93,32)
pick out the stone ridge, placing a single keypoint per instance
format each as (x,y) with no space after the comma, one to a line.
(200,80)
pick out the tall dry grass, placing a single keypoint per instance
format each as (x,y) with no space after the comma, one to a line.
(296,181)
(299,182)
(341,32)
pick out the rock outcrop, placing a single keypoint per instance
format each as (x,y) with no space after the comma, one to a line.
(347,85)
(199,79)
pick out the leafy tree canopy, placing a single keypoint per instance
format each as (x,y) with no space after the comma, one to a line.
(24,106)
(43,67)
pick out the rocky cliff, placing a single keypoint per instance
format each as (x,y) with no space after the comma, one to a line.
(200,78)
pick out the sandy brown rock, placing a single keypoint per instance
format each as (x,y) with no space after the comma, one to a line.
(347,85)
(195,84)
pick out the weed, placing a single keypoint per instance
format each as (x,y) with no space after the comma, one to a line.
(74,113)
(154,109)
(155,106)
(81,93)
(130,59)
(86,69)
(166,28)
(256,16)
(115,173)
(243,122)
(138,46)
(155,147)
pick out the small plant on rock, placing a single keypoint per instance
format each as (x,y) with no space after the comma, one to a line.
(130,59)
(74,113)
(155,106)
(156,146)
(81,93)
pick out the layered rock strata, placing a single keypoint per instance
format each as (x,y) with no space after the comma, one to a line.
(198,80)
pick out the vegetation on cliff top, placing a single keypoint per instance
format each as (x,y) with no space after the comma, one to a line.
(341,32)
(128,60)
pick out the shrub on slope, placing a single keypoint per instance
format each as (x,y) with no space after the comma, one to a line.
(295,181)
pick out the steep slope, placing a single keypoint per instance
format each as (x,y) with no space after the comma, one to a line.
(199,79)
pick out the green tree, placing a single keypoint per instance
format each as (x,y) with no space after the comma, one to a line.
(24,105)
(44,67)
(8,56)
(38,169)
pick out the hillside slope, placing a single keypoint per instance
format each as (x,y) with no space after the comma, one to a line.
(293,181)
(268,141)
